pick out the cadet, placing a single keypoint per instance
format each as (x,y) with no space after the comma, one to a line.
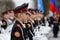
(4,22)
(18,32)
(30,30)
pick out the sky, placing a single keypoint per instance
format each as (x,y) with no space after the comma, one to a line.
(32,3)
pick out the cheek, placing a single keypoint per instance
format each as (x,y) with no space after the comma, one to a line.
(6,16)
(12,14)
(4,23)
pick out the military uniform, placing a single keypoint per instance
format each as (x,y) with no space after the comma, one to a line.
(50,20)
(17,32)
(36,22)
(43,21)
(24,30)
(21,29)
(33,24)
(30,32)
(4,24)
(0,25)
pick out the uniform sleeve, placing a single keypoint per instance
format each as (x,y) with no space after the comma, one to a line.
(9,28)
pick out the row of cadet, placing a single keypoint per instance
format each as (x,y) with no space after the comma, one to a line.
(23,24)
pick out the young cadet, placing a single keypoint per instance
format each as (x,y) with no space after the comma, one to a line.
(30,29)
(23,22)
(17,31)
(10,21)
(4,35)
(11,14)
(4,22)
(7,17)
(35,21)
(18,28)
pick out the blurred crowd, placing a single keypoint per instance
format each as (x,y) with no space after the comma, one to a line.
(22,23)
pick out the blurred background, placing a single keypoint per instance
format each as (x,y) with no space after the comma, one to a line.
(10,4)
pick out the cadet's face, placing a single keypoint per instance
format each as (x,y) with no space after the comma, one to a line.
(29,18)
(21,17)
(11,15)
(36,11)
(41,15)
(35,17)
(19,14)
(32,16)
(25,17)
(12,11)
(4,23)
(6,16)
